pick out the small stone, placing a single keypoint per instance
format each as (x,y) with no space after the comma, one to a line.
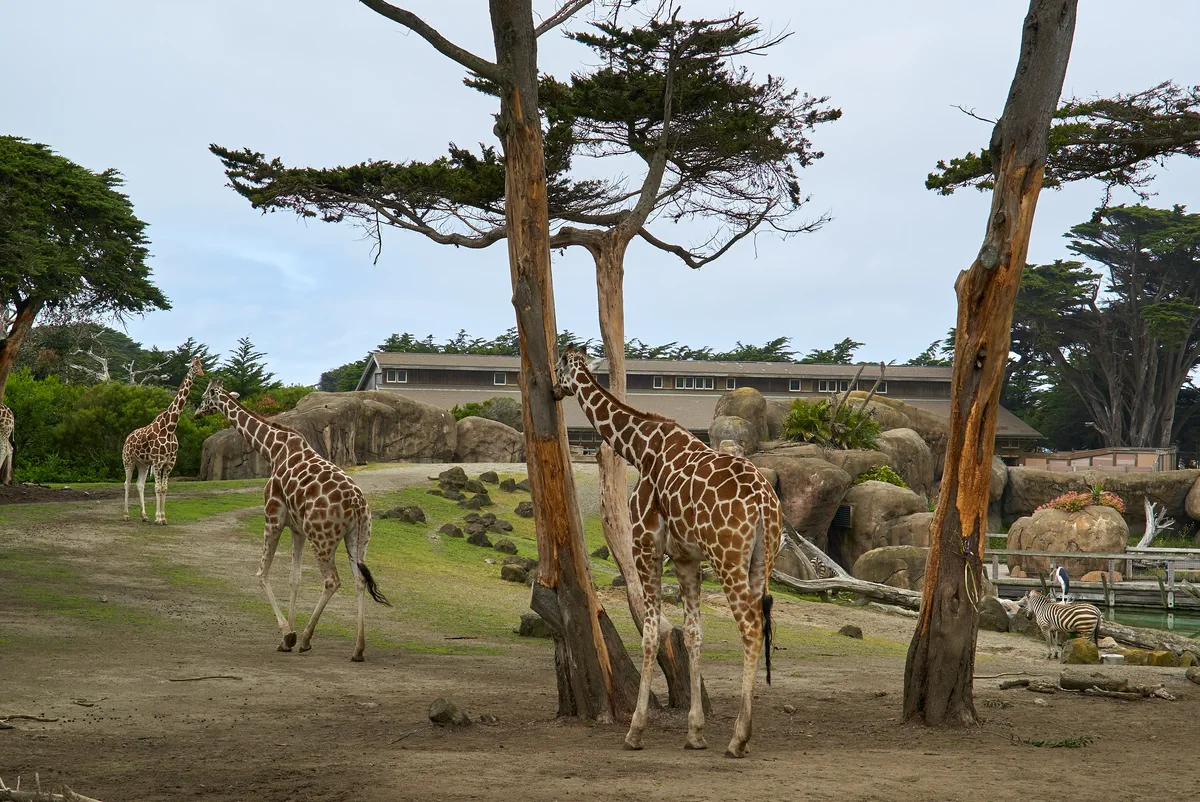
(474,486)
(513,573)
(455,476)
(487,718)
(489,561)
(1080,651)
(490,477)
(524,509)
(487,519)
(472,517)
(452,495)
(479,539)
(506,546)
(601,553)
(1041,702)
(1162,657)
(474,528)
(1107,643)
(789,709)
(618,581)
(523,485)
(443,711)
(508,485)
(500,526)
(410,514)
(851,631)
(534,626)
(434,492)
(1193,673)
(450,530)
(671,596)
(476,502)
(524,562)
(1136,657)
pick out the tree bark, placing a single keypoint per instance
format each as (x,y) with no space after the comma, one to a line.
(10,346)
(596,678)
(941,658)
(609,255)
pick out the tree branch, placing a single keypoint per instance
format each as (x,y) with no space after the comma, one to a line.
(564,13)
(472,62)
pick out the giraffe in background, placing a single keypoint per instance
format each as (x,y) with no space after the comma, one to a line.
(152,449)
(314,498)
(693,504)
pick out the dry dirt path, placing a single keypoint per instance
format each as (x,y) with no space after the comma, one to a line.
(97,618)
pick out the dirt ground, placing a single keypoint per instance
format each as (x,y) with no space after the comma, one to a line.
(117,674)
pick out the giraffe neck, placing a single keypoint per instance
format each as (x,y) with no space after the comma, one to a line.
(268,440)
(605,411)
(170,419)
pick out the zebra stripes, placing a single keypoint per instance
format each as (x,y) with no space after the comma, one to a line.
(1053,618)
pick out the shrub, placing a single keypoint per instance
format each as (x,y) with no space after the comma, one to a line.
(881,473)
(277,399)
(1075,501)
(502,409)
(811,422)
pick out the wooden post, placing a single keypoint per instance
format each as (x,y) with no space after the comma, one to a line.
(995,567)
(1170,584)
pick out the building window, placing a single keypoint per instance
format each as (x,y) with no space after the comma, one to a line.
(844,386)
(882,389)
(658,382)
(826,386)
(704,383)
(499,378)
(395,376)
(794,385)
(730,384)
(694,383)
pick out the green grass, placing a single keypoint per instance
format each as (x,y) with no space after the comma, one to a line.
(175,485)
(38,582)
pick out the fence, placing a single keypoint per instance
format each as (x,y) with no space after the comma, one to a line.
(1116,460)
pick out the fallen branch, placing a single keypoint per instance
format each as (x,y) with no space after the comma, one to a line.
(1009,684)
(22,716)
(810,550)
(1005,674)
(1130,697)
(897,597)
(1151,639)
(17,795)
(402,737)
(210,676)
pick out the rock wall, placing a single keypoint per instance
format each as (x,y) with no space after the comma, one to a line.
(1029,488)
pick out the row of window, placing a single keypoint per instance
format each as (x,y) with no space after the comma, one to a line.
(394,376)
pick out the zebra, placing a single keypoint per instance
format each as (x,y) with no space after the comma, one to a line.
(1055,617)
(1060,577)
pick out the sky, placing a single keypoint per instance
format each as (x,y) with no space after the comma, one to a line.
(144,86)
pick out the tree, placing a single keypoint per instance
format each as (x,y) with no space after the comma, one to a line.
(245,370)
(70,246)
(841,353)
(180,360)
(1126,337)
(940,353)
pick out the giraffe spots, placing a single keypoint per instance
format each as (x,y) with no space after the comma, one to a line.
(621,420)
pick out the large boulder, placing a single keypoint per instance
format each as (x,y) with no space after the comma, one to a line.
(345,428)
(749,405)
(873,504)
(1191,503)
(787,448)
(908,530)
(992,615)
(998,481)
(896,566)
(776,413)
(485,440)
(1029,488)
(810,491)
(856,462)
(891,413)
(1095,530)
(911,457)
(739,430)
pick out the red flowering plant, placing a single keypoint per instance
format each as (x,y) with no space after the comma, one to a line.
(1076,501)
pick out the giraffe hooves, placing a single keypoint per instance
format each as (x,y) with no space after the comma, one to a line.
(632,747)
(289,640)
(356,658)
(696,745)
(283,648)
(731,754)
(125,518)
(304,647)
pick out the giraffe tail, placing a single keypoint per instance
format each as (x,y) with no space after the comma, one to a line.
(364,523)
(768,628)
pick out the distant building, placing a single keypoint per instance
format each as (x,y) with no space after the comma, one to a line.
(686,392)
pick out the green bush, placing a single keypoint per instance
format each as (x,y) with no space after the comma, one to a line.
(882,473)
(502,409)
(277,399)
(812,422)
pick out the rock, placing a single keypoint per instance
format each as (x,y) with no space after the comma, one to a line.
(789,562)
(1100,576)
(873,503)
(810,491)
(992,615)
(508,485)
(524,509)
(1029,488)
(1096,530)
(772,478)
(1189,659)
(411,514)
(749,405)
(892,414)
(1019,623)
(895,566)
(473,517)
(484,440)
(1080,651)
(454,477)
(523,485)
(1106,643)
(434,492)
(443,711)
(450,530)
(730,447)
(856,462)
(487,519)
(733,428)
(523,562)
(670,595)
(474,486)
(453,495)
(478,538)
(490,477)
(851,631)
(1017,573)
(776,415)
(1162,657)
(907,530)
(534,626)
(1193,673)
(514,573)
(998,482)
(345,428)
(476,502)
(505,546)
(601,553)
(787,448)
(499,526)
(789,709)
(911,457)
(618,581)
(1136,657)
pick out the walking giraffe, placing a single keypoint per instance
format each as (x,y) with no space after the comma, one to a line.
(7,424)
(152,449)
(316,500)
(693,504)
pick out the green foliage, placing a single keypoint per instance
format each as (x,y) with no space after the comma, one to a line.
(277,399)
(841,353)
(245,371)
(881,473)
(940,353)
(815,422)
(503,409)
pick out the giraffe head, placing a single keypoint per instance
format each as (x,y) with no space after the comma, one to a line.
(196,369)
(208,403)
(570,369)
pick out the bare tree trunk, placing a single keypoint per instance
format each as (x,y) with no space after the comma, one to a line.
(941,659)
(609,255)
(14,337)
(596,677)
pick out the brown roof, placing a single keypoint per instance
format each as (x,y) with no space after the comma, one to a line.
(672,367)
(691,410)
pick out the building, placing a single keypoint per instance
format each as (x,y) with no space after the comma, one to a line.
(687,392)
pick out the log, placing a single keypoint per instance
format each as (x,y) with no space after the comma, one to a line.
(14,795)
(1071,681)
(810,550)
(1113,694)
(897,597)
(1151,639)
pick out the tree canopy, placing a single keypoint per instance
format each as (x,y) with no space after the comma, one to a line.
(245,370)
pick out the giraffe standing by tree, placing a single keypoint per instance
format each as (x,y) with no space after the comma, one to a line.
(693,504)
(7,424)
(313,497)
(152,449)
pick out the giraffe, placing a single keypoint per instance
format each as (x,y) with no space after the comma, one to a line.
(313,497)
(693,504)
(7,425)
(152,448)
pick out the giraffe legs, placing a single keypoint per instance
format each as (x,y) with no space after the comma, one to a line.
(294,587)
(141,486)
(647,557)
(332,583)
(271,532)
(360,589)
(160,493)
(688,574)
(745,590)
(129,469)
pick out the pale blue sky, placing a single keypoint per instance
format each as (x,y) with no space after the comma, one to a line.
(144,86)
